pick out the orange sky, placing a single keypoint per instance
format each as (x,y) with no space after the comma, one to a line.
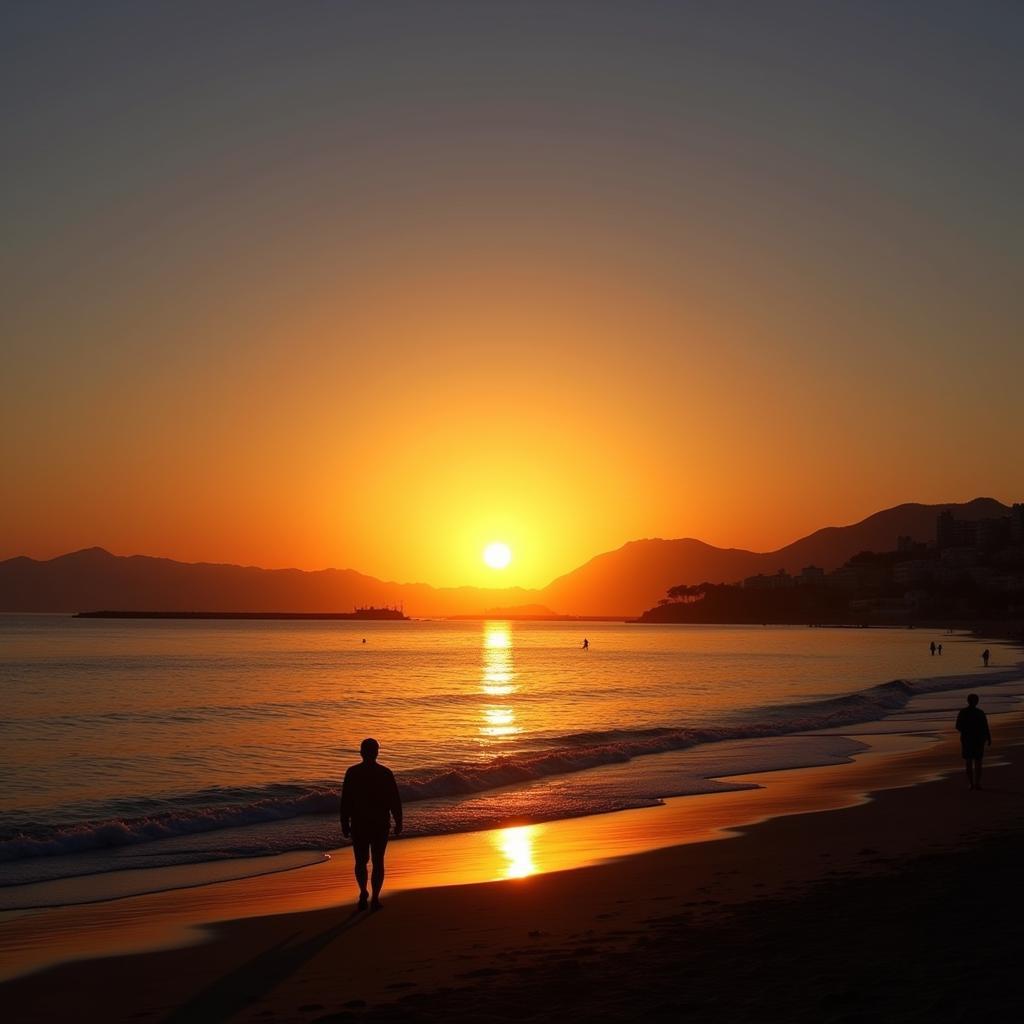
(381,305)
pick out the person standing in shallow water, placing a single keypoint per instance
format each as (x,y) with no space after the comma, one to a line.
(985,657)
(972,724)
(369,800)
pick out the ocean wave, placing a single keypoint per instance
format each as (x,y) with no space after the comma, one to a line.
(212,810)
(194,714)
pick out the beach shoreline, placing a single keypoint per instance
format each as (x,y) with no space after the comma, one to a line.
(803,749)
(457,936)
(216,804)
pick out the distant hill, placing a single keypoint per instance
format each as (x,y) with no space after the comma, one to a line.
(94,578)
(833,545)
(622,582)
(637,575)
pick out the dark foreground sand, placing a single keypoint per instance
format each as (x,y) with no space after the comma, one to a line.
(904,907)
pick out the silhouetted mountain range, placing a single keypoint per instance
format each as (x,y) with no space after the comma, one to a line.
(94,578)
(622,582)
(642,570)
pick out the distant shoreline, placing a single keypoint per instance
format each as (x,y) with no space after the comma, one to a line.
(1008,631)
(362,614)
(499,617)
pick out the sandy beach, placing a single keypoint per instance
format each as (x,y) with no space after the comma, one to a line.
(888,860)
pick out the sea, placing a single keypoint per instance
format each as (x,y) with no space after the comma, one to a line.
(128,744)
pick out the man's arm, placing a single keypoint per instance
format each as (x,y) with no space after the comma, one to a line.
(345,808)
(988,731)
(396,806)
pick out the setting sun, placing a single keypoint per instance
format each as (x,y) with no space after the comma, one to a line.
(497,555)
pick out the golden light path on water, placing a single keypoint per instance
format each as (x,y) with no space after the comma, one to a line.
(498,680)
(515,844)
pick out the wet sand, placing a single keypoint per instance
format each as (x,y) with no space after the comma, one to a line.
(788,889)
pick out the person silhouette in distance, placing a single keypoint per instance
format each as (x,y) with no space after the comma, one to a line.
(972,724)
(985,657)
(369,800)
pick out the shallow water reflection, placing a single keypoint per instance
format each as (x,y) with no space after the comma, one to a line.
(516,846)
(500,722)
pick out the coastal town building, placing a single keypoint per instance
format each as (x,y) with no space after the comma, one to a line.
(984,534)
(909,546)
(913,573)
(811,575)
(1017,523)
(775,581)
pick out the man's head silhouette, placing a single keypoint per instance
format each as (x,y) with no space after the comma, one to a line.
(972,699)
(369,749)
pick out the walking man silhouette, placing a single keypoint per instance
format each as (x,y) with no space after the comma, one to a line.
(972,724)
(369,800)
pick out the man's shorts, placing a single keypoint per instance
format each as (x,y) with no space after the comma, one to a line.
(369,841)
(972,751)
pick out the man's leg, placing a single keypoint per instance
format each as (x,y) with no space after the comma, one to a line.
(361,852)
(977,774)
(377,848)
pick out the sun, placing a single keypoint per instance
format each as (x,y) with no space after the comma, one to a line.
(497,555)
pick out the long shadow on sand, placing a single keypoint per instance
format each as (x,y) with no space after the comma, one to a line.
(252,980)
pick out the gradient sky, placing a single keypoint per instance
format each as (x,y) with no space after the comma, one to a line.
(371,284)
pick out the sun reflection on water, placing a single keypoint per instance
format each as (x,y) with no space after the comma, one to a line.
(498,681)
(497,637)
(500,722)
(516,846)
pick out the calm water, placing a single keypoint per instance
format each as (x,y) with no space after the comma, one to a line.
(169,741)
